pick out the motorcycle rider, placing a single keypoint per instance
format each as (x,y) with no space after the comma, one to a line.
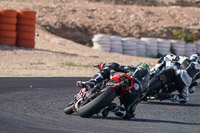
(181,72)
(129,100)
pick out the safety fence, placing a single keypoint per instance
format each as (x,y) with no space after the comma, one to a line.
(145,47)
(17,28)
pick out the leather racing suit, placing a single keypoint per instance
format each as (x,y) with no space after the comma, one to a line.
(179,70)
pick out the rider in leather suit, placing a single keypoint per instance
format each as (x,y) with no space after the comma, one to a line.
(180,70)
(129,100)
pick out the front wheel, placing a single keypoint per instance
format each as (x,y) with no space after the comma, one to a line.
(69,110)
(101,101)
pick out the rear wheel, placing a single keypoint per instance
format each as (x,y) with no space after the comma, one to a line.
(101,101)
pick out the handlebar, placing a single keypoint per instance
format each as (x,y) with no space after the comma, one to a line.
(122,83)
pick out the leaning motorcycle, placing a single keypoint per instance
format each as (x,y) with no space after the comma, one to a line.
(159,93)
(89,102)
(164,93)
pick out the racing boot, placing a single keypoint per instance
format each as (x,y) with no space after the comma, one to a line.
(121,112)
(111,107)
(118,111)
(177,98)
(192,89)
(88,85)
(173,98)
(182,99)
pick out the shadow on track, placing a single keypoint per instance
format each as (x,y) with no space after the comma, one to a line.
(173,104)
(166,121)
(146,120)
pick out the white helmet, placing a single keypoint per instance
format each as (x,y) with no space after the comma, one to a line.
(195,57)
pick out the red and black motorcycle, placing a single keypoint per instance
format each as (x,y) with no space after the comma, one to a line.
(89,102)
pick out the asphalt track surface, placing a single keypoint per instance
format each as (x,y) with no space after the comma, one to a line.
(35,105)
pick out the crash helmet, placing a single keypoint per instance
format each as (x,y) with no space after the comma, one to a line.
(143,66)
(195,57)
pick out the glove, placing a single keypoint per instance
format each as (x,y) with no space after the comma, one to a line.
(100,66)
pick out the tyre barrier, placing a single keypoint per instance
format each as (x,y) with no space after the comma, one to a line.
(8,13)
(178,47)
(7,27)
(151,46)
(4,33)
(102,42)
(25,43)
(164,46)
(197,46)
(26,14)
(144,47)
(141,48)
(8,21)
(26,35)
(26,21)
(190,48)
(129,46)
(25,28)
(116,44)
(11,41)
(17,28)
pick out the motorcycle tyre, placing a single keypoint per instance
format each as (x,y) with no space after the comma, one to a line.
(98,103)
(69,110)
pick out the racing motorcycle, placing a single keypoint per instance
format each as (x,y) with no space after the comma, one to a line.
(163,93)
(89,102)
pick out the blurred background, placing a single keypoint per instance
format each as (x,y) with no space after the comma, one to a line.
(65,28)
